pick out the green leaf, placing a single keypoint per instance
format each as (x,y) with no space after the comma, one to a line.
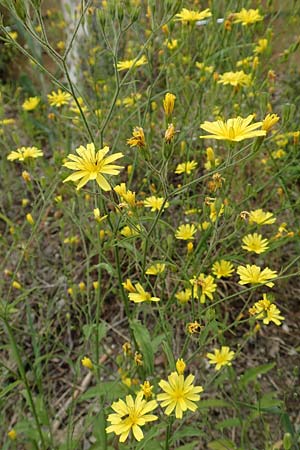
(228,423)
(252,374)
(187,431)
(110,389)
(222,444)
(143,339)
(169,355)
(89,330)
(190,446)
(7,389)
(148,443)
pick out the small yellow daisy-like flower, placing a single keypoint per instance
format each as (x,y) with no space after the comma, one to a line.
(204,286)
(156,269)
(180,366)
(58,98)
(222,269)
(140,295)
(269,121)
(252,274)
(126,195)
(24,153)
(266,311)
(186,167)
(131,416)
(31,103)
(235,79)
(138,138)
(171,44)
(179,394)
(168,103)
(155,203)
(128,286)
(185,232)
(222,357)
(261,217)
(128,231)
(86,362)
(184,296)
(92,165)
(146,389)
(235,130)
(261,46)
(187,15)
(12,434)
(129,63)
(255,243)
(247,16)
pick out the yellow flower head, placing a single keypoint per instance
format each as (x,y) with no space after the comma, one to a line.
(138,138)
(126,195)
(261,46)
(187,15)
(179,394)
(235,130)
(187,167)
(204,286)
(155,203)
(235,79)
(156,269)
(131,415)
(12,434)
(222,269)
(58,98)
(86,362)
(31,103)
(221,357)
(193,327)
(128,231)
(169,133)
(255,243)
(140,295)
(92,165)
(247,16)
(252,274)
(146,389)
(266,311)
(261,217)
(180,366)
(185,232)
(129,63)
(24,153)
(184,296)
(269,121)
(168,103)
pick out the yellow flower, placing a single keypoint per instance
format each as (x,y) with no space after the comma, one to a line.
(235,130)
(179,394)
(222,268)
(126,195)
(16,285)
(255,243)
(261,217)
(58,98)
(221,357)
(214,213)
(138,138)
(187,15)
(96,284)
(146,389)
(98,216)
(128,286)
(156,269)
(185,232)
(138,359)
(30,219)
(24,153)
(171,44)
(168,103)
(130,416)
(169,133)
(141,295)
(129,63)
(235,78)
(193,327)
(180,366)
(266,311)
(86,362)
(261,46)
(247,16)
(204,286)
(252,274)
(269,121)
(12,434)
(128,231)
(90,165)
(31,103)
(155,203)
(186,167)
(184,296)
